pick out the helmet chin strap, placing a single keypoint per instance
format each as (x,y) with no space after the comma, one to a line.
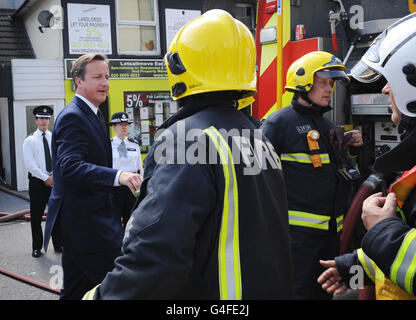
(304,96)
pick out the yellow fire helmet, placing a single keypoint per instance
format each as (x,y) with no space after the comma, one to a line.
(299,77)
(213,52)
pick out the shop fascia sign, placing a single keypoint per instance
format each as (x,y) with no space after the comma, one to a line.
(129,68)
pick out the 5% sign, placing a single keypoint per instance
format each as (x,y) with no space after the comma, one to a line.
(133,100)
(93,32)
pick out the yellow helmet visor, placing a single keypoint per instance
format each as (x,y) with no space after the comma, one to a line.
(334,74)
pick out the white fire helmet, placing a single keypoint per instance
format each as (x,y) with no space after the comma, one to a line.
(393,56)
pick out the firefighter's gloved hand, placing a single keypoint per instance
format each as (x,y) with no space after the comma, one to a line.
(347,140)
(340,142)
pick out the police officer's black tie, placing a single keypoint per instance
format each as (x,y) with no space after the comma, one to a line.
(48,160)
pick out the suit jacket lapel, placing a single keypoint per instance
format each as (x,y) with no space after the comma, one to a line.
(98,126)
(93,117)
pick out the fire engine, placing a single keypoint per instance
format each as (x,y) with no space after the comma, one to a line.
(288,29)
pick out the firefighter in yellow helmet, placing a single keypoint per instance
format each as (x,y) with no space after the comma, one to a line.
(316,166)
(211,220)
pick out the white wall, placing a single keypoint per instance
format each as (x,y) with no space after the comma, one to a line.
(5,139)
(38,79)
(49,44)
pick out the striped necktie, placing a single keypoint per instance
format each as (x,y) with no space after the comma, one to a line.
(101,117)
(122,150)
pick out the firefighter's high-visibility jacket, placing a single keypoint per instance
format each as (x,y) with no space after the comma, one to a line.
(392,245)
(316,196)
(217,230)
(389,247)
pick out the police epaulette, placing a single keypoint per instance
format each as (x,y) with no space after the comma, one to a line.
(132,140)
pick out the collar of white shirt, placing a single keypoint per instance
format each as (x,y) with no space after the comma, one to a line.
(39,133)
(93,108)
(117,140)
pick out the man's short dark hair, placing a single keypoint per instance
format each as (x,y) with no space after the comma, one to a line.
(80,65)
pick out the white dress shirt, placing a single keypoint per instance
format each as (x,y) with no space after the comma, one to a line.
(34,154)
(133,161)
(95,110)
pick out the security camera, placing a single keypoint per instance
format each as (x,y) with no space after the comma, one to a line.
(51,18)
(44,19)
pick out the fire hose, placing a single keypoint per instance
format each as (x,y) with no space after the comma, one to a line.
(14,193)
(29,281)
(354,212)
(4,217)
(353,216)
(22,215)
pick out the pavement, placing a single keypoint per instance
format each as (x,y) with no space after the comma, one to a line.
(16,256)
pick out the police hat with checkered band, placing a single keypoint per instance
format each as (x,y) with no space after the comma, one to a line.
(120,117)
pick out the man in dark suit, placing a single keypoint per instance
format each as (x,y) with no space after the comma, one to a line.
(82,203)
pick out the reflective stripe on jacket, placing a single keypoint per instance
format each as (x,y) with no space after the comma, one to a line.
(303,157)
(229,268)
(403,268)
(386,289)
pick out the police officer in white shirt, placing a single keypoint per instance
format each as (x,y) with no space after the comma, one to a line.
(126,157)
(37,158)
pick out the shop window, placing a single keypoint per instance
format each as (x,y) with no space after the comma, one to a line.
(137,27)
(148,110)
